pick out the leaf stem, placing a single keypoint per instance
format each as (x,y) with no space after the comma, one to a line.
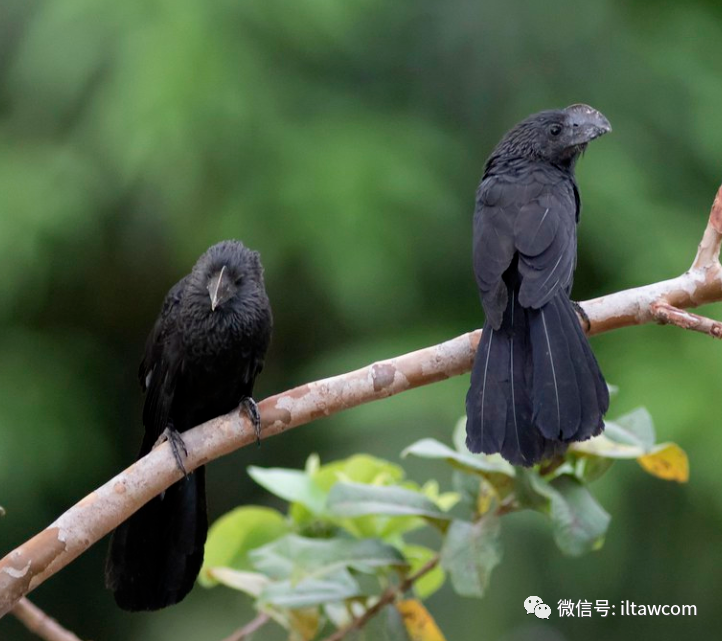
(247,630)
(388,597)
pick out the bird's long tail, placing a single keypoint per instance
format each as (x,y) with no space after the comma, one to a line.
(535,385)
(156,555)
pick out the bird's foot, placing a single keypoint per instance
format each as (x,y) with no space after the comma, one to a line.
(177,445)
(583,315)
(251,408)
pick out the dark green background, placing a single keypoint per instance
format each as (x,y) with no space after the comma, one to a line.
(344,140)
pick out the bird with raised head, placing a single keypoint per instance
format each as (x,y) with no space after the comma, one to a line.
(535,385)
(201,360)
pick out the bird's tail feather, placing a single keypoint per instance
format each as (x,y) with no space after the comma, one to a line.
(569,395)
(156,555)
(535,384)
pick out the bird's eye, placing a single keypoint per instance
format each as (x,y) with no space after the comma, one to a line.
(555,130)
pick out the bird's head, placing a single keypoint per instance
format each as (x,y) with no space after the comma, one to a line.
(556,136)
(227,271)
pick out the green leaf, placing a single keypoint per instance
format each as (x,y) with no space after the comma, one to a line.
(530,490)
(444,500)
(234,534)
(639,424)
(478,494)
(354,499)
(360,468)
(294,556)
(418,556)
(590,468)
(388,625)
(467,487)
(579,522)
(310,591)
(290,485)
(432,449)
(630,436)
(469,554)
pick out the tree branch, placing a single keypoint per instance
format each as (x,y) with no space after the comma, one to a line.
(26,567)
(247,630)
(388,597)
(660,302)
(667,314)
(39,623)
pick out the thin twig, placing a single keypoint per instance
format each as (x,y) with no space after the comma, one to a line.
(667,314)
(388,597)
(39,623)
(247,630)
(26,567)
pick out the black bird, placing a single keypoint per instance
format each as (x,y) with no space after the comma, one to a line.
(201,360)
(536,384)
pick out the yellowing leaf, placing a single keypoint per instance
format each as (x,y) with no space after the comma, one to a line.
(304,623)
(667,461)
(604,446)
(487,499)
(418,622)
(249,582)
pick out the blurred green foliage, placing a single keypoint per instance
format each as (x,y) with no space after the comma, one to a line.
(345,540)
(343,140)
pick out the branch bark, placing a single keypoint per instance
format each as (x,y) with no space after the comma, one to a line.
(26,567)
(660,302)
(39,623)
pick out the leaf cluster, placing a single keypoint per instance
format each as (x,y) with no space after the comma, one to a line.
(348,534)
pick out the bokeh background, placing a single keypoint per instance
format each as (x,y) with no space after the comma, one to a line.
(344,141)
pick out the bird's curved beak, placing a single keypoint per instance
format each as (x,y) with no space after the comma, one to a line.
(218,287)
(587,124)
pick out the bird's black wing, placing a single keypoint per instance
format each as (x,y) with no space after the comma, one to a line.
(545,235)
(253,356)
(253,350)
(251,365)
(160,367)
(247,364)
(494,243)
(533,215)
